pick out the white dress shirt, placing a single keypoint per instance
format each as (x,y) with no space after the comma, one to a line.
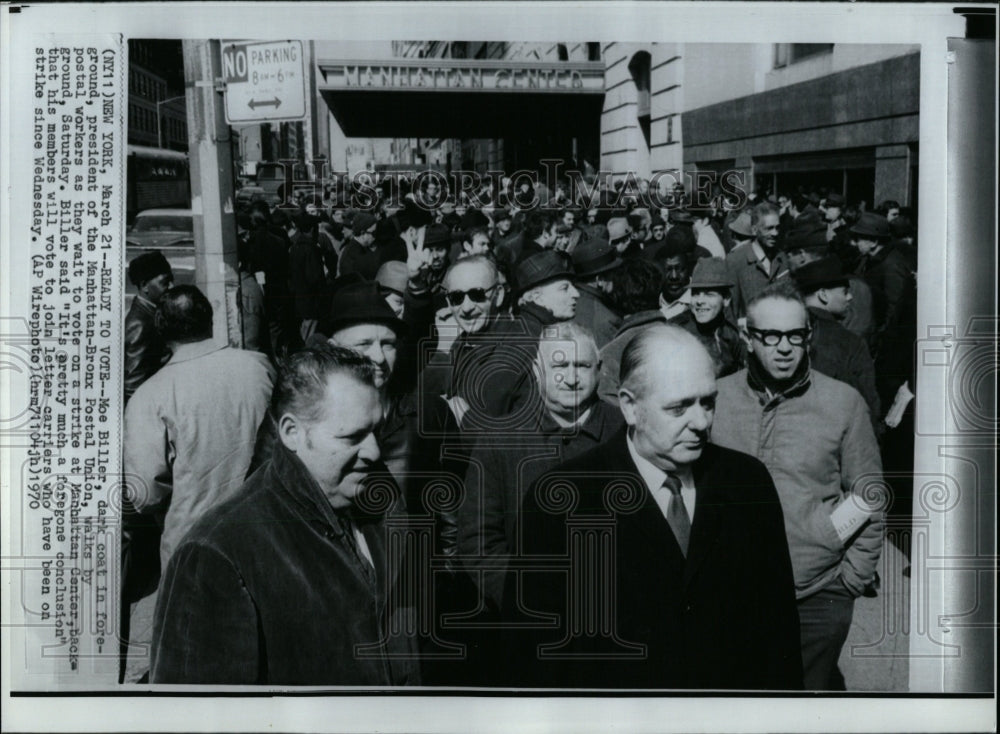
(654,478)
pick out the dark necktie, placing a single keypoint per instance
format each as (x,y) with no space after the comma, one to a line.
(677,516)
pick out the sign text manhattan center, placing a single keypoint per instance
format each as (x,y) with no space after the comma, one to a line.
(441,75)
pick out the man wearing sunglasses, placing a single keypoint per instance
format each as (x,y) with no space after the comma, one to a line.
(472,375)
(815,437)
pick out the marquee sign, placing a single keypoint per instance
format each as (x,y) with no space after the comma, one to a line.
(445,75)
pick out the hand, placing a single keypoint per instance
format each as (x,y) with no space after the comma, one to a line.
(447,329)
(417,258)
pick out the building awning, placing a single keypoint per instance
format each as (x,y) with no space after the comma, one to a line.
(819,161)
(458,98)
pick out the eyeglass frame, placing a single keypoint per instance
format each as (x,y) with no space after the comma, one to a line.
(762,335)
(450,296)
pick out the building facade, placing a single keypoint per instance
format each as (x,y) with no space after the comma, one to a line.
(840,117)
(157,116)
(480,106)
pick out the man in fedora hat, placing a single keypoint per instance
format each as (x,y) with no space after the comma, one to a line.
(711,288)
(545,290)
(885,270)
(145,349)
(833,350)
(594,261)
(804,243)
(360,255)
(740,229)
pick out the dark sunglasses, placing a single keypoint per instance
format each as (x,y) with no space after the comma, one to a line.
(476,295)
(770,338)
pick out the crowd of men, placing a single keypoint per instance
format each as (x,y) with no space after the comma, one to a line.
(495,443)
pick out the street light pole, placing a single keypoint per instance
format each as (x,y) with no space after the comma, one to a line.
(159,131)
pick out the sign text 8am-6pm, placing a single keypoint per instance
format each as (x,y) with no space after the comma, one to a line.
(265,82)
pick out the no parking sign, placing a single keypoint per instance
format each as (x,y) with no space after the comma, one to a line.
(265,82)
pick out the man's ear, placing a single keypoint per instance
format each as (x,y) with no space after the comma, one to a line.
(498,294)
(627,403)
(745,336)
(726,300)
(823,295)
(291,431)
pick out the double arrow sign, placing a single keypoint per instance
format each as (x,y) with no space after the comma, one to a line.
(265,81)
(254,104)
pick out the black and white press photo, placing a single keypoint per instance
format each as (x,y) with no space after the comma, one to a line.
(588,360)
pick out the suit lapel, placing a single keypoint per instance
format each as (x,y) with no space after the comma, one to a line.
(647,524)
(708,514)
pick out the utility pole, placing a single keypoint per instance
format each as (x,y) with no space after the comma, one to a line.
(159,120)
(309,123)
(212,196)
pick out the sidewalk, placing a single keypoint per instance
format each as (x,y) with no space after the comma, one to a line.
(875,656)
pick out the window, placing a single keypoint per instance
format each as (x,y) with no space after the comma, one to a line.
(639,67)
(562,51)
(593,52)
(790,53)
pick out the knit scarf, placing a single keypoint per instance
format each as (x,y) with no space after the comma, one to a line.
(772,392)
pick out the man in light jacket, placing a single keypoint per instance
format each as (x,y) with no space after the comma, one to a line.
(815,437)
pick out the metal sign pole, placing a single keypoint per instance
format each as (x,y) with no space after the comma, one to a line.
(212,196)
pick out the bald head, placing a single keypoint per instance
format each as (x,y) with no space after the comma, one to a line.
(667,396)
(473,292)
(477,267)
(658,346)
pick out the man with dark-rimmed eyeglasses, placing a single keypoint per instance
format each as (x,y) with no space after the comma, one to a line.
(815,436)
